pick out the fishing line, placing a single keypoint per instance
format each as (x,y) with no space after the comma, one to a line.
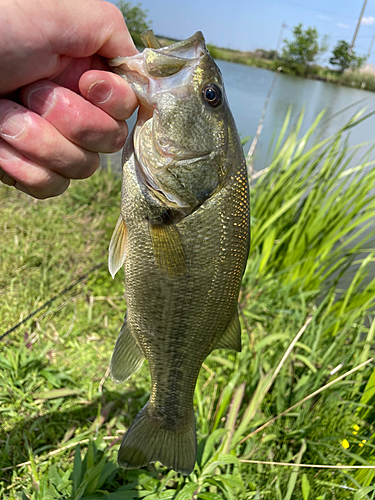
(46,304)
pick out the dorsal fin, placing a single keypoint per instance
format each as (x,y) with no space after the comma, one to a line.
(150,40)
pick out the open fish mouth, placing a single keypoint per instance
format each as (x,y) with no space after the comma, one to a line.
(148,72)
(163,61)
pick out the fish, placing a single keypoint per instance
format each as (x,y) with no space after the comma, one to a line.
(183,239)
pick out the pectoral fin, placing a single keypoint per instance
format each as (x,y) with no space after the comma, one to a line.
(168,249)
(231,338)
(117,247)
(127,357)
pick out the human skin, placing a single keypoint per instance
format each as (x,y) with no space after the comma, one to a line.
(59,104)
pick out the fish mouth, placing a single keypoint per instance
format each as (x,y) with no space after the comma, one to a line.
(158,70)
(163,61)
(148,72)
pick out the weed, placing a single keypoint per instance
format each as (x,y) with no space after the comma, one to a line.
(293,395)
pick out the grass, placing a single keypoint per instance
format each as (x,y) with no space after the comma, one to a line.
(248,58)
(359,79)
(62,418)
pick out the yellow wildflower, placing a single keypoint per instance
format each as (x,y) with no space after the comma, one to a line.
(345,444)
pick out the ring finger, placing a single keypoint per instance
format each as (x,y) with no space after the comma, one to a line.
(36,139)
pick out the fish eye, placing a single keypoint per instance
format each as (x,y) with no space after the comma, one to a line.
(212,94)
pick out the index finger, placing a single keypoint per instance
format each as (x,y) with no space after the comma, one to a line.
(109,92)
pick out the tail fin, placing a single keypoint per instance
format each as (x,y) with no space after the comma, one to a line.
(146,442)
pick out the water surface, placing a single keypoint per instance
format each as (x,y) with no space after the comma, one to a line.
(247,89)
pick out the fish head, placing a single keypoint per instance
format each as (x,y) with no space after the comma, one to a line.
(181,135)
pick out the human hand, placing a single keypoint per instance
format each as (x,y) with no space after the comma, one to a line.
(60,106)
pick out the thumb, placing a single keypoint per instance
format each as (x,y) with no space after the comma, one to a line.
(87,27)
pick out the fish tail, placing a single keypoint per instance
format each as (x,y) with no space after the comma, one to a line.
(146,442)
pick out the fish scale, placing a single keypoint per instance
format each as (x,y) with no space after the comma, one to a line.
(183,244)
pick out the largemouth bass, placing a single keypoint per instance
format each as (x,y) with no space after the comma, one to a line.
(183,239)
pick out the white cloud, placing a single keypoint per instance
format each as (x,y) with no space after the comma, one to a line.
(345,26)
(325,18)
(368,21)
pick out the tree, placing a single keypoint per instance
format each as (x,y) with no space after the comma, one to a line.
(345,58)
(135,17)
(305,47)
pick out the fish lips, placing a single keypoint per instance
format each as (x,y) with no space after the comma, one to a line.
(157,70)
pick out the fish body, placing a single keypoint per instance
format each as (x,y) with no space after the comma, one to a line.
(183,239)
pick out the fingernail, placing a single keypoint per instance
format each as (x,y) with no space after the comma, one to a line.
(42,100)
(99,92)
(5,154)
(12,123)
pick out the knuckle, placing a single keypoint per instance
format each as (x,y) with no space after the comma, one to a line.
(120,138)
(87,167)
(114,12)
(49,189)
(6,179)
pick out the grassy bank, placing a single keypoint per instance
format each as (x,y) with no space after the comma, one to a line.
(351,78)
(62,418)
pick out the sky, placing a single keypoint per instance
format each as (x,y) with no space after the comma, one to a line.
(251,24)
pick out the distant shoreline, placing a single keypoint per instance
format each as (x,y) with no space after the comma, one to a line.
(359,79)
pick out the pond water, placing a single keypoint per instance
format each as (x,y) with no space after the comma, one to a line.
(247,89)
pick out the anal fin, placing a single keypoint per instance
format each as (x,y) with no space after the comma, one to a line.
(231,338)
(168,249)
(127,357)
(117,247)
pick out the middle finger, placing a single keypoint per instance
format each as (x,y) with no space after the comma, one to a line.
(80,121)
